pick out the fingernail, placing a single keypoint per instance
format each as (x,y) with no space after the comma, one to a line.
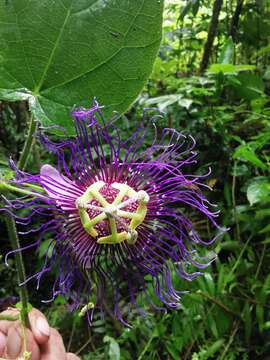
(13,344)
(43,326)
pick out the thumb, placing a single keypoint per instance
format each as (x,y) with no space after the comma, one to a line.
(39,326)
(71,356)
(54,348)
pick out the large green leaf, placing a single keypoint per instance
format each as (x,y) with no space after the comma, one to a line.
(62,53)
(251,86)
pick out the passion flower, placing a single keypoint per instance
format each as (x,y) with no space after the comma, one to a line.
(117,213)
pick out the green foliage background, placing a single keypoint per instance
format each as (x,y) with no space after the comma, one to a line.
(227,110)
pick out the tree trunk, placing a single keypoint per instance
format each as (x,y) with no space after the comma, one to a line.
(211,35)
(235,19)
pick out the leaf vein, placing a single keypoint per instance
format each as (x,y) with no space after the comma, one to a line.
(101,64)
(37,89)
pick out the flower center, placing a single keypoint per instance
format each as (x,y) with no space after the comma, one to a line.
(111,213)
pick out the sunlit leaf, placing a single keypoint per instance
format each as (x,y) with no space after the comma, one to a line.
(245,152)
(227,52)
(258,190)
(114,349)
(229,68)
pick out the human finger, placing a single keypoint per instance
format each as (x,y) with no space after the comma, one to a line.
(54,348)
(6,324)
(3,340)
(71,356)
(39,326)
(14,344)
(38,322)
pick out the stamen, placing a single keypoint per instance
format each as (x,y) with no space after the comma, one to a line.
(86,308)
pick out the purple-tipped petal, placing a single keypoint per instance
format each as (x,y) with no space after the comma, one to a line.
(59,187)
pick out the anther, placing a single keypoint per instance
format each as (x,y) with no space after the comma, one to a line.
(132,236)
(80,204)
(143,196)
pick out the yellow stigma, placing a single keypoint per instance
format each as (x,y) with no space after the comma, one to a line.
(113,212)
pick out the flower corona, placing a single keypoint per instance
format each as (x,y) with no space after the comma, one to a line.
(113,211)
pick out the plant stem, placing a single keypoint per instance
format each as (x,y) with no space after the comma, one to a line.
(5,186)
(27,145)
(260,262)
(238,232)
(71,334)
(141,356)
(218,303)
(235,329)
(84,346)
(13,236)
(239,258)
(12,231)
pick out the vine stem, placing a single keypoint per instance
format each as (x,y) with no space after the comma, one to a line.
(13,237)
(27,145)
